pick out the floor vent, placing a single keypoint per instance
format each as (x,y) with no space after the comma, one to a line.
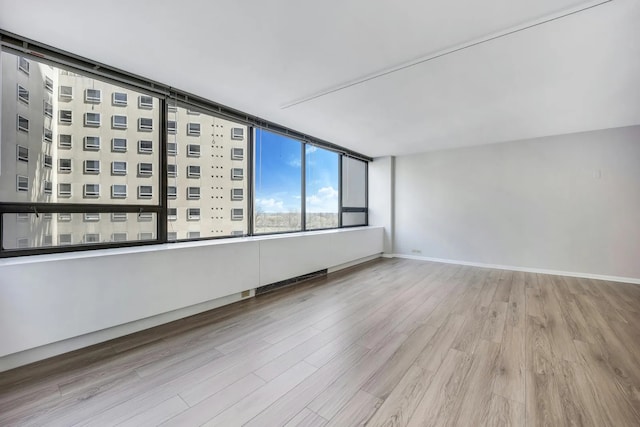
(273,286)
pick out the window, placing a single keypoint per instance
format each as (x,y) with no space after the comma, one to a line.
(92,119)
(64,141)
(146,235)
(23,124)
(193,214)
(172,108)
(237,174)
(47,135)
(22,216)
(119,122)
(118,216)
(64,165)
(145,169)
(171,127)
(145,102)
(22,183)
(22,153)
(65,117)
(91,238)
(64,190)
(91,190)
(92,143)
(237,214)
(47,187)
(145,147)
(354,188)
(145,125)
(119,98)
(91,217)
(47,109)
(237,133)
(193,150)
(193,235)
(48,84)
(118,168)
(64,217)
(93,96)
(172,236)
(66,93)
(172,170)
(119,237)
(237,153)
(118,191)
(47,240)
(47,216)
(92,167)
(193,171)
(193,112)
(193,129)
(145,216)
(172,214)
(145,191)
(23,94)
(172,192)
(193,193)
(119,145)
(22,242)
(172,149)
(48,161)
(321,188)
(23,65)
(64,239)
(237,193)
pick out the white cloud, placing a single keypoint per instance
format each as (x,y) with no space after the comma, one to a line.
(311,148)
(270,205)
(325,200)
(295,163)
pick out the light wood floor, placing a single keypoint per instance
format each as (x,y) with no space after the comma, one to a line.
(390,343)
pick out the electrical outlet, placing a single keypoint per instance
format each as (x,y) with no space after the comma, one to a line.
(416,251)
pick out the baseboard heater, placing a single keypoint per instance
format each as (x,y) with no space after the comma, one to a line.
(289,282)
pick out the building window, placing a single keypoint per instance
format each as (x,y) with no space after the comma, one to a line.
(172,108)
(172,236)
(193,193)
(119,237)
(22,216)
(145,102)
(193,150)
(172,214)
(172,170)
(193,112)
(64,190)
(65,117)
(64,165)
(22,242)
(193,129)
(237,233)
(48,161)
(237,193)
(118,216)
(22,183)
(237,133)
(145,191)
(23,65)
(171,127)
(48,188)
(23,124)
(172,149)
(93,96)
(64,141)
(91,190)
(22,153)
(145,235)
(237,174)
(47,240)
(64,217)
(92,119)
(47,135)
(118,168)
(193,171)
(48,84)
(119,98)
(193,235)
(23,94)
(48,109)
(64,239)
(66,93)
(92,143)
(237,153)
(145,147)
(145,216)
(119,145)
(119,122)
(193,214)
(145,124)
(172,192)
(237,214)
(91,217)
(145,169)
(47,216)
(91,238)
(118,191)
(92,167)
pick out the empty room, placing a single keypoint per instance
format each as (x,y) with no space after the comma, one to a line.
(320,214)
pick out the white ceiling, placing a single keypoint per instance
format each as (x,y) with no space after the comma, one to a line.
(576,73)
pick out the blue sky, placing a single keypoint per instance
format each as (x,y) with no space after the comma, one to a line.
(278,169)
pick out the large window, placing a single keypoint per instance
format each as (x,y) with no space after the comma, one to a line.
(354,192)
(321,179)
(278,183)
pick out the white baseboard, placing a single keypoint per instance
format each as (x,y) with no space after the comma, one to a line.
(526,269)
(352,263)
(15,360)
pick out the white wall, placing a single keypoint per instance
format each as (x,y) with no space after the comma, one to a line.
(381,203)
(567,203)
(50,299)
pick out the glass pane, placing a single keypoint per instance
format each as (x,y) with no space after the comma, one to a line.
(321,169)
(354,178)
(73,132)
(207,184)
(353,218)
(278,183)
(28,230)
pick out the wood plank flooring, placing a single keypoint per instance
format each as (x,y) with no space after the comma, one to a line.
(388,343)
